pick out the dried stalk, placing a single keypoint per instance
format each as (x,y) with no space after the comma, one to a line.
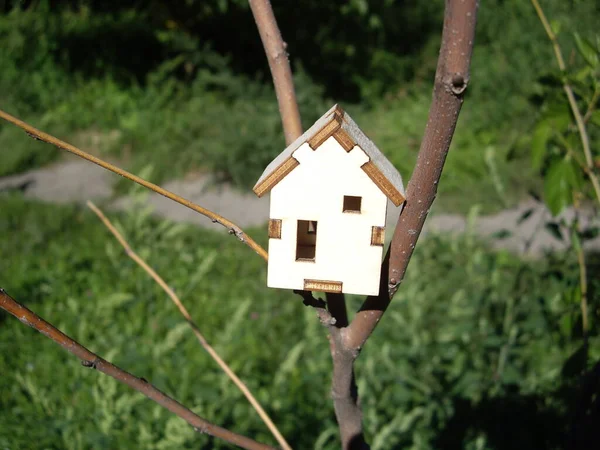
(216,218)
(579,120)
(279,64)
(184,312)
(92,360)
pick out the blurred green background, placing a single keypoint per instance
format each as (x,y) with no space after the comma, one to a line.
(481,349)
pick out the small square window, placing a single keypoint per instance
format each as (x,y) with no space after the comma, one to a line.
(352,204)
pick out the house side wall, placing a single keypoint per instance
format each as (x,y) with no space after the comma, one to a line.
(315,191)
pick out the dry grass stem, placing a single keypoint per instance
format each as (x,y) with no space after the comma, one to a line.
(184,312)
(216,218)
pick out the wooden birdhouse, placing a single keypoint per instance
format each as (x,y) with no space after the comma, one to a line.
(329,195)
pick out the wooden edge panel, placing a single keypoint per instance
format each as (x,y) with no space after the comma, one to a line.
(276,176)
(324,133)
(377,235)
(344,139)
(274,228)
(383,183)
(323,286)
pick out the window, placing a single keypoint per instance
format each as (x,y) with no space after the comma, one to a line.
(306,240)
(352,204)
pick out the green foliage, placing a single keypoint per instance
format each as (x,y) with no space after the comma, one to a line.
(209,101)
(556,148)
(480,336)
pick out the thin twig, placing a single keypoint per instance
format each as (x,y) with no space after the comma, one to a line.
(585,140)
(279,64)
(583,288)
(184,312)
(216,218)
(92,360)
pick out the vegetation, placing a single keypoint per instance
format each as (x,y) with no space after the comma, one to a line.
(213,106)
(490,341)
(485,351)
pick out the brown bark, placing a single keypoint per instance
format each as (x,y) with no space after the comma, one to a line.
(91,360)
(451,80)
(279,64)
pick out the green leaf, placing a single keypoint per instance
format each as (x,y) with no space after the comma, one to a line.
(539,143)
(555,25)
(595,118)
(562,178)
(587,50)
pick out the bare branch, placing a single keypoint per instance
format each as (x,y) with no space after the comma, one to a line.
(184,312)
(216,218)
(279,64)
(92,360)
(451,80)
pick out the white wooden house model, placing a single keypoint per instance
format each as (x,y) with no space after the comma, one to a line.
(329,194)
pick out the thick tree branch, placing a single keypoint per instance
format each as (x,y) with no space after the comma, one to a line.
(279,64)
(451,80)
(195,329)
(90,359)
(216,218)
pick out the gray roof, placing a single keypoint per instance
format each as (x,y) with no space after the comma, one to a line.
(336,122)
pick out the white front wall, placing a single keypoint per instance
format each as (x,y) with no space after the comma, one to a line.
(315,191)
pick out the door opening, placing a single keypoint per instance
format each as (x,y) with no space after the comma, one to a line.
(306,240)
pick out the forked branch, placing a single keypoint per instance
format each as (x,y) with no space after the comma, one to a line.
(196,330)
(92,360)
(216,218)
(451,81)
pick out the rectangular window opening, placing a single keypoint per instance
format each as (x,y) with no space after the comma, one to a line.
(306,240)
(352,204)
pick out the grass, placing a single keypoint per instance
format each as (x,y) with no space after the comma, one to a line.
(481,329)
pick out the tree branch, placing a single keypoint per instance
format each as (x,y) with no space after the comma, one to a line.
(216,218)
(279,64)
(90,359)
(344,391)
(451,80)
(185,313)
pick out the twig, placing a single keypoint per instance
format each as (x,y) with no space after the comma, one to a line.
(92,360)
(583,288)
(279,64)
(216,218)
(184,312)
(585,140)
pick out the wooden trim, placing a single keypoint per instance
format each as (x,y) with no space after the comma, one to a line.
(276,176)
(377,236)
(323,286)
(383,183)
(324,133)
(344,139)
(274,228)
